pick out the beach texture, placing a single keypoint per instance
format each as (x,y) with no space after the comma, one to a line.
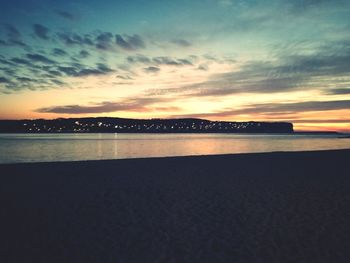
(271,207)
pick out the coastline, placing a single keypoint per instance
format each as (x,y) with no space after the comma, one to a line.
(259,207)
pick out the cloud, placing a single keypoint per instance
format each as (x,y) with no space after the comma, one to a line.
(170,61)
(75,39)
(4,80)
(84,54)
(40,70)
(203,67)
(102,107)
(300,6)
(5,61)
(139,59)
(276,110)
(156,62)
(54,73)
(21,61)
(40,58)
(104,41)
(57,82)
(338,91)
(17,43)
(80,71)
(151,69)
(184,61)
(66,15)
(8,71)
(41,31)
(70,71)
(287,72)
(320,121)
(14,36)
(281,108)
(25,79)
(88,72)
(167,109)
(124,77)
(104,68)
(181,42)
(295,107)
(17,83)
(165,61)
(130,43)
(59,52)
(12,32)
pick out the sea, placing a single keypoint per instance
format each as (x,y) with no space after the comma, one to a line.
(23,148)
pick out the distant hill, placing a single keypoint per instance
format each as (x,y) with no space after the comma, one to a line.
(121,125)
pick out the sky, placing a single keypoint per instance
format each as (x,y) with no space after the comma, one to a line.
(231,60)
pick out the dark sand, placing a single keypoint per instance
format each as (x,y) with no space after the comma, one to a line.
(274,207)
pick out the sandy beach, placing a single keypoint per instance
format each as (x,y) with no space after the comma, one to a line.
(269,207)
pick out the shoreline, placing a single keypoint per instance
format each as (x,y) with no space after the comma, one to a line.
(252,207)
(180,157)
(204,132)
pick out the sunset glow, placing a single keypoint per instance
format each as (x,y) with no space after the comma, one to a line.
(217,60)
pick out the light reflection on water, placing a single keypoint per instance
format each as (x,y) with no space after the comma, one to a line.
(71,147)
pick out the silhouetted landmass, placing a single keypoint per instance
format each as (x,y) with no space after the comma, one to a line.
(121,125)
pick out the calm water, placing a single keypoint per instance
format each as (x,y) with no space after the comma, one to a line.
(68,147)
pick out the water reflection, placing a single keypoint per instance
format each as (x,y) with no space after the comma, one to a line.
(68,147)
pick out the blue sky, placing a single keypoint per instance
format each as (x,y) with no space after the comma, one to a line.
(211,58)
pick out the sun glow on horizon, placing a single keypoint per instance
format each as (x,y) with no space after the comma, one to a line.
(239,62)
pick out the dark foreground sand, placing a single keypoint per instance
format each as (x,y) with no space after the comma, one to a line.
(274,207)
